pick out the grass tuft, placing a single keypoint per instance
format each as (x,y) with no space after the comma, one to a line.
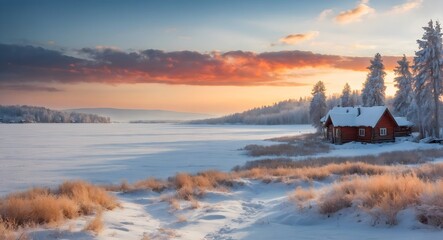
(430,210)
(43,206)
(301,195)
(96,224)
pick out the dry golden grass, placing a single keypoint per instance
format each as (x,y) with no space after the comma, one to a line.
(187,192)
(153,184)
(166,232)
(38,210)
(89,197)
(301,195)
(181,218)
(182,180)
(96,224)
(431,207)
(313,173)
(145,237)
(190,186)
(70,208)
(194,204)
(390,158)
(382,191)
(381,195)
(174,204)
(42,206)
(6,232)
(430,171)
(333,203)
(124,186)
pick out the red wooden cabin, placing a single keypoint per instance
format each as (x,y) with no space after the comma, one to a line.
(361,124)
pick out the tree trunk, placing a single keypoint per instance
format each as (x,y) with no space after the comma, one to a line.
(436,112)
(437,105)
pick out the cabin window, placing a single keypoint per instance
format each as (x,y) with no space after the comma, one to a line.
(383,132)
(361,132)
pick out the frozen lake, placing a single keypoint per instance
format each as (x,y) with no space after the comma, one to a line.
(47,154)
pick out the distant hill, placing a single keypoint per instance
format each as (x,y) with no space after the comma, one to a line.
(284,112)
(31,114)
(140,115)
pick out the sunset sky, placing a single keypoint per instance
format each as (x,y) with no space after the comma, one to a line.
(202,56)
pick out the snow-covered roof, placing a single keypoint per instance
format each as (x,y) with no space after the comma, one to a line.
(403,122)
(355,116)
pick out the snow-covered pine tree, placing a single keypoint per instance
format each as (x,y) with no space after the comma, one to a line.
(428,67)
(425,106)
(317,108)
(403,82)
(346,98)
(373,93)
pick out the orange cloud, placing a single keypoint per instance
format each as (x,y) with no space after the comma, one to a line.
(294,39)
(27,65)
(355,14)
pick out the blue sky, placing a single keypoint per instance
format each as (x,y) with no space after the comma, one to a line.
(207,25)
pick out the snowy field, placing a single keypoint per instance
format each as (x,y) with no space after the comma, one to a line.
(255,211)
(47,154)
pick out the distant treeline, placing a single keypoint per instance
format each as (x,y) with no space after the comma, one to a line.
(29,114)
(284,112)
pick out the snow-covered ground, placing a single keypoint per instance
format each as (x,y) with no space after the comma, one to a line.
(253,211)
(47,154)
(361,149)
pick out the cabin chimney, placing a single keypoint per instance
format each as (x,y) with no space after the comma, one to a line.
(358,111)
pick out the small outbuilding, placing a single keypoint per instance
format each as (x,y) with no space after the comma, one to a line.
(361,124)
(404,127)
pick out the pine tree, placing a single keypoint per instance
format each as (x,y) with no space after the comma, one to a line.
(373,93)
(346,98)
(403,82)
(317,109)
(428,67)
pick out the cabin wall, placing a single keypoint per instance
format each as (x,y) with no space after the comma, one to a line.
(348,134)
(329,134)
(385,122)
(368,134)
(402,131)
(336,133)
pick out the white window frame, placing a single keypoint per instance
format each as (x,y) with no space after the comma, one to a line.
(337,132)
(383,131)
(361,132)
